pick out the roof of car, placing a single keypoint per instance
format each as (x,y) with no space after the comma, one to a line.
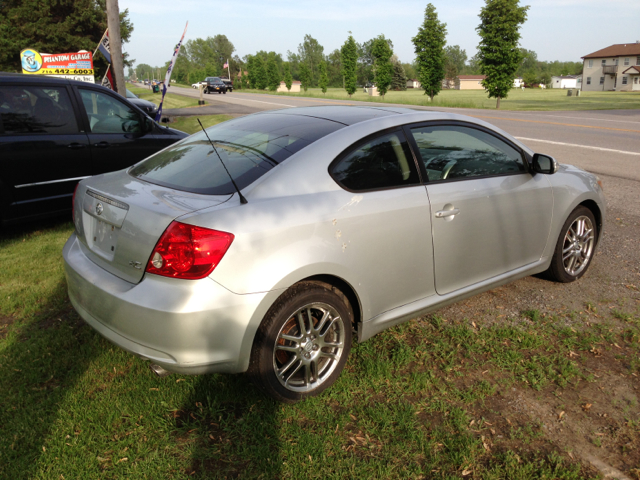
(25,78)
(347,115)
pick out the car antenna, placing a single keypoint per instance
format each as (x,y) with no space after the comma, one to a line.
(242,199)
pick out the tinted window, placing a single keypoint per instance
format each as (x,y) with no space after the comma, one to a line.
(381,162)
(451,152)
(249,146)
(33,109)
(109,115)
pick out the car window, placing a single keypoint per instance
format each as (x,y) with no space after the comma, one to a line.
(453,152)
(34,109)
(249,147)
(109,115)
(381,162)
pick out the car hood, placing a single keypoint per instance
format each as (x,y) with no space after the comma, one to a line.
(119,219)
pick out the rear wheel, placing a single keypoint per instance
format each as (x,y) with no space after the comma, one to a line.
(303,343)
(575,247)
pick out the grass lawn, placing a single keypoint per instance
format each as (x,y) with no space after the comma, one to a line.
(422,400)
(529,99)
(170,100)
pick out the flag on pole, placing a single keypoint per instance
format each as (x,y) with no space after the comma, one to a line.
(107,80)
(225,65)
(104,46)
(167,77)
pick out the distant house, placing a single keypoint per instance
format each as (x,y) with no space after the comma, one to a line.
(413,83)
(470,82)
(295,87)
(612,68)
(518,82)
(448,83)
(566,81)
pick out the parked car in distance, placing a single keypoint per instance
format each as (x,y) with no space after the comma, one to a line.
(229,85)
(338,220)
(197,84)
(146,106)
(215,84)
(55,132)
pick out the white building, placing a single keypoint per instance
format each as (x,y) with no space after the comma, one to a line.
(518,82)
(566,81)
(612,68)
(413,83)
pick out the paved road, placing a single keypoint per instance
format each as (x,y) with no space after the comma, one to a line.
(605,142)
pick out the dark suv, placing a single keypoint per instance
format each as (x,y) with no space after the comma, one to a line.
(55,132)
(214,84)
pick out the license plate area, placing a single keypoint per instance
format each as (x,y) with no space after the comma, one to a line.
(102,219)
(102,238)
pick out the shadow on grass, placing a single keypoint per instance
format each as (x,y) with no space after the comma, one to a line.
(232,428)
(40,362)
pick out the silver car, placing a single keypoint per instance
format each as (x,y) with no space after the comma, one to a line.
(264,243)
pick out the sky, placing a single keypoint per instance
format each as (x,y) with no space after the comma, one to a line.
(562,30)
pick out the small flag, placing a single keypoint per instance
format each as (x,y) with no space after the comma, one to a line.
(226,65)
(167,77)
(107,80)
(104,46)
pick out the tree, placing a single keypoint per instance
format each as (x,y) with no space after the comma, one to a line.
(429,48)
(324,79)
(311,53)
(349,60)
(334,69)
(455,59)
(288,79)
(260,75)
(273,74)
(399,81)
(410,71)
(499,54)
(305,76)
(61,26)
(383,70)
(530,77)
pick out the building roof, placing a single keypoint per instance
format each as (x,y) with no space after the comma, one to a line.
(635,67)
(472,77)
(618,50)
(567,77)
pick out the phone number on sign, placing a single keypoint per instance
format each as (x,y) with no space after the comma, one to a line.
(67,71)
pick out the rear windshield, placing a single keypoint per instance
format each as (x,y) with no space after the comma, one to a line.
(249,147)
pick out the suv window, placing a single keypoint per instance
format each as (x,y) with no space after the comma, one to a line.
(249,147)
(33,109)
(109,115)
(453,152)
(381,162)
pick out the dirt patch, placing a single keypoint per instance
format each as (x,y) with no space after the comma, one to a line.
(5,322)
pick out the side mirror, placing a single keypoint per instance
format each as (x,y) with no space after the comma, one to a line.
(147,125)
(544,164)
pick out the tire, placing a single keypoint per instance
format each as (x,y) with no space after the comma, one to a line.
(575,248)
(290,366)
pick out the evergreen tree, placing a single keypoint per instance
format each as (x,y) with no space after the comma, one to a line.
(429,47)
(498,50)
(399,81)
(273,74)
(324,79)
(260,73)
(349,59)
(288,79)
(305,76)
(383,69)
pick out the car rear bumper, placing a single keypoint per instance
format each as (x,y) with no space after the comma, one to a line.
(185,326)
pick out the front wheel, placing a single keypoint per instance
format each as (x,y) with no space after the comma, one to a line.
(575,247)
(303,342)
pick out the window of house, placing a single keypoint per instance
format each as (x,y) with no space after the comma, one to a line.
(454,152)
(616,62)
(624,80)
(590,63)
(626,61)
(604,61)
(637,60)
(382,162)
(601,80)
(635,80)
(588,80)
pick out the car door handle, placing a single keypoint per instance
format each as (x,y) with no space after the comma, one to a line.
(447,213)
(76,145)
(101,144)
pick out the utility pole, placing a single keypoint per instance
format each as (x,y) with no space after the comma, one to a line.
(115,45)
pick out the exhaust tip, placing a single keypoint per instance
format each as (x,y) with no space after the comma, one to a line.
(158,370)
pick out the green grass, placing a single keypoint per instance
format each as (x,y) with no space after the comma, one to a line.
(171,100)
(190,124)
(529,99)
(416,401)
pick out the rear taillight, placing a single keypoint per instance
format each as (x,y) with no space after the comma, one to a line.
(189,252)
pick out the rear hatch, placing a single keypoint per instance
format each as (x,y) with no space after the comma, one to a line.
(119,219)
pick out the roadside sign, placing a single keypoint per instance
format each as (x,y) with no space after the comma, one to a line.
(78,65)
